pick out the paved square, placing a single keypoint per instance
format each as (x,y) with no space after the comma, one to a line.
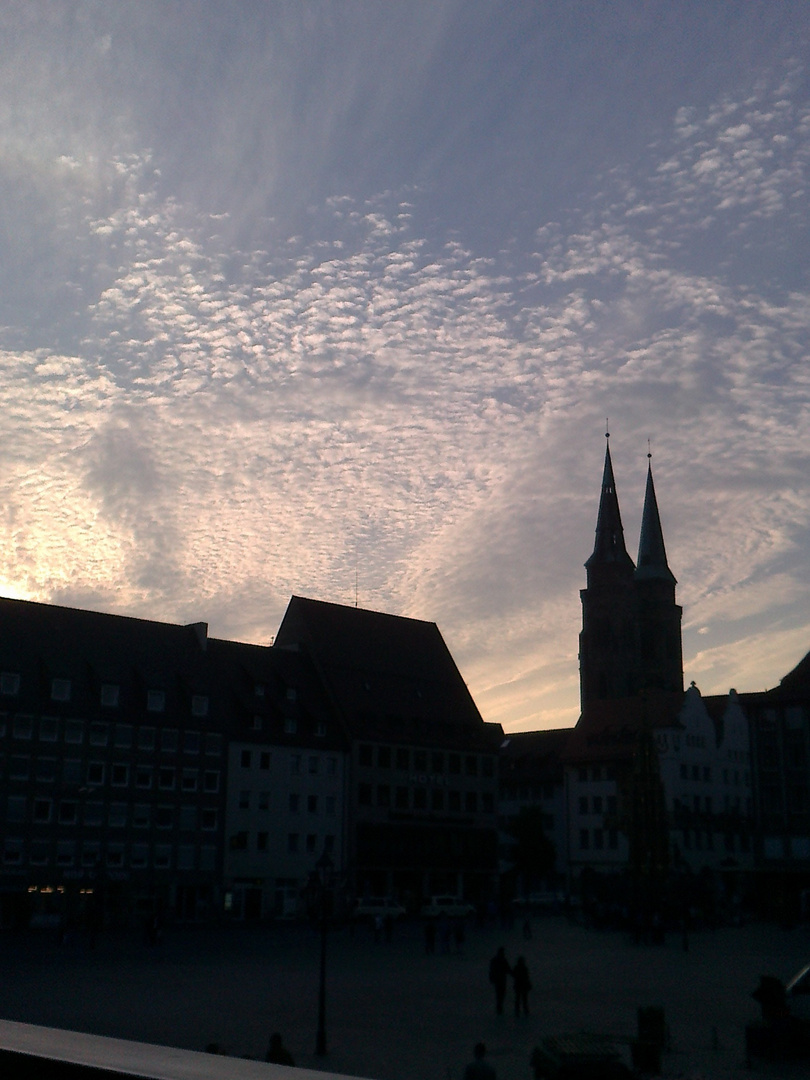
(393,1012)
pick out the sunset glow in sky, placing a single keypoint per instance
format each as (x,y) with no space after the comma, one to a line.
(334,299)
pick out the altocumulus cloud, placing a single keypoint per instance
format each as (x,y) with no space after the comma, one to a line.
(369,398)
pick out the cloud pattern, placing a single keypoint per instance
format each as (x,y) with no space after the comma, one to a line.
(369,409)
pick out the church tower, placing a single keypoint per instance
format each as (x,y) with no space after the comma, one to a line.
(659,617)
(608,650)
(631,625)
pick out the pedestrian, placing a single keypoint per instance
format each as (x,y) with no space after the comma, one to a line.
(523,984)
(499,970)
(277,1052)
(479,1069)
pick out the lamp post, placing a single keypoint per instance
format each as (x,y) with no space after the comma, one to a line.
(324,869)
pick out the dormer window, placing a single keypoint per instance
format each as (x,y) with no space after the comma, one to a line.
(259,689)
(199,705)
(109,695)
(292,693)
(9,683)
(155,701)
(60,689)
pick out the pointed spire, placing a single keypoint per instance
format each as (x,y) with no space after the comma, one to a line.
(609,546)
(652,556)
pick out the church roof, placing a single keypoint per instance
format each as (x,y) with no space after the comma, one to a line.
(609,546)
(609,730)
(652,556)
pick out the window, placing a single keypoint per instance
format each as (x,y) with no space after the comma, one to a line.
(99,734)
(48,729)
(292,693)
(292,843)
(262,841)
(420,798)
(23,727)
(454,801)
(264,759)
(155,701)
(16,806)
(115,855)
(141,815)
(707,773)
(312,843)
(143,777)
(320,729)
(245,759)
(60,689)
(488,767)
(163,856)
(420,760)
(169,740)
(290,725)
(294,802)
(330,804)
(331,765)
(583,804)
(199,705)
(122,736)
(364,794)
(264,800)
(12,852)
(71,771)
(437,762)
(109,695)
(65,852)
(191,742)
(256,724)
(93,813)
(166,778)
(211,781)
(213,744)
(244,799)
(313,765)
(472,765)
(95,772)
(597,804)
(19,767)
(39,853)
(164,817)
(42,811)
(139,857)
(295,764)
(118,815)
(584,839)
(437,799)
(46,770)
(9,683)
(384,757)
(611,805)
(189,780)
(364,755)
(312,804)
(403,758)
(146,738)
(488,802)
(188,817)
(470,802)
(454,764)
(119,775)
(74,731)
(209,818)
(598,839)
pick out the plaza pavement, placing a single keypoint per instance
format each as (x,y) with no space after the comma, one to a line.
(395,1013)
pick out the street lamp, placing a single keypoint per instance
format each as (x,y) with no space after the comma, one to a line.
(324,874)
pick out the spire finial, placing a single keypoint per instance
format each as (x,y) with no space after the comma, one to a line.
(649,450)
(607,428)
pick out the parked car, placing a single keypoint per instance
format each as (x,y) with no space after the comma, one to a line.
(383,907)
(451,906)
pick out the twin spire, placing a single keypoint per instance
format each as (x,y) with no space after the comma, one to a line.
(610,547)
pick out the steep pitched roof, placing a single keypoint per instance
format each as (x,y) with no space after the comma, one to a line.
(652,556)
(609,546)
(393,677)
(796,683)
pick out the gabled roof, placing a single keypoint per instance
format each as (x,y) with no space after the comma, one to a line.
(392,677)
(536,754)
(796,684)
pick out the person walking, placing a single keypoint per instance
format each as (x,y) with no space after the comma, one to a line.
(499,970)
(479,1069)
(523,984)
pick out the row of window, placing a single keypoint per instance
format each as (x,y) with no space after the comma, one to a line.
(51,729)
(597,805)
(296,842)
(263,759)
(403,759)
(596,772)
(526,792)
(700,840)
(118,774)
(44,811)
(109,694)
(598,839)
(93,855)
(419,798)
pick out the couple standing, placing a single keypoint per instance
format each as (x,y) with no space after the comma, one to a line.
(499,971)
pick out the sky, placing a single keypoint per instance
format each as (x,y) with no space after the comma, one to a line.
(336,299)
